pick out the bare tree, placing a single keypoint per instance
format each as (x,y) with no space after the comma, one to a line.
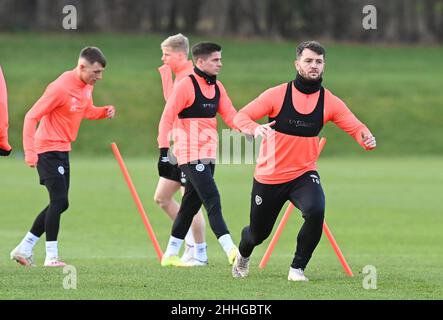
(244,18)
(278,18)
(216,18)
(191,14)
(172,16)
(397,20)
(42,14)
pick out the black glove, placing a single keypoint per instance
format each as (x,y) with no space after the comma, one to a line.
(5,153)
(164,166)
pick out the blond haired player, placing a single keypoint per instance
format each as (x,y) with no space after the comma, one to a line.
(175,51)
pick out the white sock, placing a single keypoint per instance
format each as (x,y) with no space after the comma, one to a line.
(200,251)
(174,246)
(28,243)
(189,238)
(51,250)
(226,242)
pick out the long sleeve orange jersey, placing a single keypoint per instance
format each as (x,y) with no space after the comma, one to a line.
(168,83)
(283,157)
(194,138)
(3,114)
(166,75)
(60,110)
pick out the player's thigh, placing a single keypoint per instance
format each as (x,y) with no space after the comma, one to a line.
(307,194)
(200,176)
(266,204)
(166,188)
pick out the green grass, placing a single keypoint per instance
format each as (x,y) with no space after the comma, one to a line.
(382,212)
(396,91)
(381,206)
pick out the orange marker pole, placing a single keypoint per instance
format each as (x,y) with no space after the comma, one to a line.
(137,201)
(337,250)
(283,222)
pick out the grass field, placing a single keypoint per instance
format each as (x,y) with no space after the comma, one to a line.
(383,212)
(382,206)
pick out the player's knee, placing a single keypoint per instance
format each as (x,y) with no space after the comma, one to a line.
(64,204)
(314,212)
(162,201)
(212,203)
(60,205)
(199,220)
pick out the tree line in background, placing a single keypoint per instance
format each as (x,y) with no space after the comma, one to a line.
(397,20)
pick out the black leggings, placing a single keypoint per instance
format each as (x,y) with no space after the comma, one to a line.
(49,219)
(306,194)
(200,189)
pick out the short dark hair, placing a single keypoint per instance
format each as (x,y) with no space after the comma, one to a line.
(204,49)
(93,55)
(311,45)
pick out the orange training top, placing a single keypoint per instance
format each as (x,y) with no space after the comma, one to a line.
(3,114)
(168,84)
(166,74)
(283,157)
(194,138)
(60,110)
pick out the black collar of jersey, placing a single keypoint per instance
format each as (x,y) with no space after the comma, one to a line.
(209,79)
(307,86)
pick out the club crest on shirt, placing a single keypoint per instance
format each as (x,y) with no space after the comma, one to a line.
(88,94)
(258,200)
(74,104)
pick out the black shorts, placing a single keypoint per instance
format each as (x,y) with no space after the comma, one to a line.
(174,173)
(305,193)
(53,164)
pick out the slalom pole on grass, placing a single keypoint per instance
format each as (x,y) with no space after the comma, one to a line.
(326,229)
(137,201)
(276,236)
(337,250)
